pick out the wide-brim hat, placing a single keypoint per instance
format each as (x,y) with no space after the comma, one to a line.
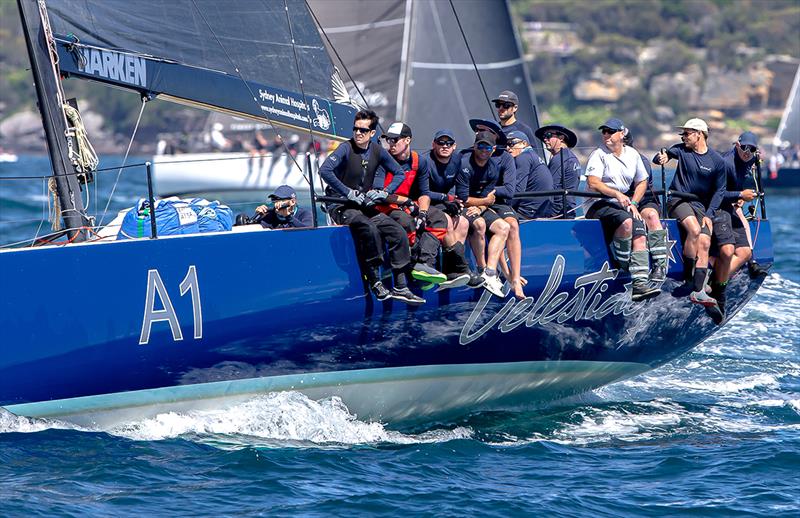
(488,125)
(571,139)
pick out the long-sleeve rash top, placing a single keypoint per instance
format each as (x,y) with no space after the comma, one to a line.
(442,176)
(335,167)
(703,175)
(572,177)
(533,175)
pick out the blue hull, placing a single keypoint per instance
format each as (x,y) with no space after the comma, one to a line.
(172,321)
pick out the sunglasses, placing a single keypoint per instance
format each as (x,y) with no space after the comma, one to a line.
(445,143)
(687,133)
(748,149)
(483,147)
(608,131)
(551,134)
(392,140)
(356,129)
(513,143)
(504,105)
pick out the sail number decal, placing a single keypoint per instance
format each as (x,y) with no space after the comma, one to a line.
(156,289)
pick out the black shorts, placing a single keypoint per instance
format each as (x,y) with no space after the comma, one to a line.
(728,230)
(504,211)
(488,215)
(611,216)
(681,209)
(649,202)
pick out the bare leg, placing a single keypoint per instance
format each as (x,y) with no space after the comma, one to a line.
(722,266)
(477,241)
(704,245)
(692,228)
(740,257)
(500,231)
(651,219)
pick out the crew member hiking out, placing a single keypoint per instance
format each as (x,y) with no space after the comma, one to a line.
(612,169)
(701,174)
(350,173)
(443,168)
(410,205)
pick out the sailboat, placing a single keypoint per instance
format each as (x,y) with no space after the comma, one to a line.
(99,332)
(786,175)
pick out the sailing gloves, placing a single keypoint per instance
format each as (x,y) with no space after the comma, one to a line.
(355,196)
(374,197)
(421,220)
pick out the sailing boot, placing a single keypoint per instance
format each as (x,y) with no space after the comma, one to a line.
(699,295)
(427,251)
(375,283)
(638,268)
(454,263)
(755,270)
(657,244)
(718,292)
(401,292)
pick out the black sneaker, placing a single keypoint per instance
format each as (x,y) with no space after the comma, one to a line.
(475,280)
(642,291)
(454,280)
(755,270)
(657,273)
(407,296)
(380,291)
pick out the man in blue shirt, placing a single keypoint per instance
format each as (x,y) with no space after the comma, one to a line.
(731,237)
(476,184)
(563,164)
(532,175)
(507,104)
(443,167)
(350,172)
(701,173)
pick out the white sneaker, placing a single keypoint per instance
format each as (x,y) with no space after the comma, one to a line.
(493,285)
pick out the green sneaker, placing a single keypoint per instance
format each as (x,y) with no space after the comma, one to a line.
(424,273)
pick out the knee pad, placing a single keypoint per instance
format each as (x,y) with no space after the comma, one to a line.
(639,228)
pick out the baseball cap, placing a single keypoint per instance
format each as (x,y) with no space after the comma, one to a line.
(516,135)
(444,133)
(613,124)
(748,138)
(398,129)
(486,136)
(283,192)
(506,96)
(695,124)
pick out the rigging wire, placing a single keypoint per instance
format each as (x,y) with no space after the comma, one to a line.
(338,57)
(252,94)
(474,64)
(124,159)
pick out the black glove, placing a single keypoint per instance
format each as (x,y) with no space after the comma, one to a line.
(421,220)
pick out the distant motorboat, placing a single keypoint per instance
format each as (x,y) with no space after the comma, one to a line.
(8,157)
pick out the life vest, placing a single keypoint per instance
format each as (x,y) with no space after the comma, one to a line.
(360,171)
(404,189)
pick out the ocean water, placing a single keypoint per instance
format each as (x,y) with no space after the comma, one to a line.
(715,432)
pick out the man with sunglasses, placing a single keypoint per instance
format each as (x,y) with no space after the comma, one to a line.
(476,183)
(350,172)
(507,104)
(731,237)
(410,205)
(613,169)
(532,175)
(701,172)
(443,168)
(563,164)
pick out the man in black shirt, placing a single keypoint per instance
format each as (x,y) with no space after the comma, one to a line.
(284,213)
(507,104)
(701,173)
(350,173)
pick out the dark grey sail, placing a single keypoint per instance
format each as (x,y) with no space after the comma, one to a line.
(234,55)
(412,62)
(368,36)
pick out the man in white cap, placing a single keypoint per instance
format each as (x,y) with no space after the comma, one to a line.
(613,169)
(700,174)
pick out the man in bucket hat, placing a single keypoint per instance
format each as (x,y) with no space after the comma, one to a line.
(564,165)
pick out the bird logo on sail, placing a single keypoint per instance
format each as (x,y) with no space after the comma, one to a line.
(321,120)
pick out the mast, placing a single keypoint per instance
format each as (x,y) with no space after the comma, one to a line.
(55,127)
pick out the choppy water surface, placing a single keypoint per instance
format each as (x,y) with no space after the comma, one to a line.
(716,432)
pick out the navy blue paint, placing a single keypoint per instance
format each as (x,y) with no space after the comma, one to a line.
(292,301)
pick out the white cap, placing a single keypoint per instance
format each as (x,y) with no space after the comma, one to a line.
(217,126)
(695,124)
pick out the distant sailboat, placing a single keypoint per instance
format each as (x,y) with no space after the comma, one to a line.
(787,140)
